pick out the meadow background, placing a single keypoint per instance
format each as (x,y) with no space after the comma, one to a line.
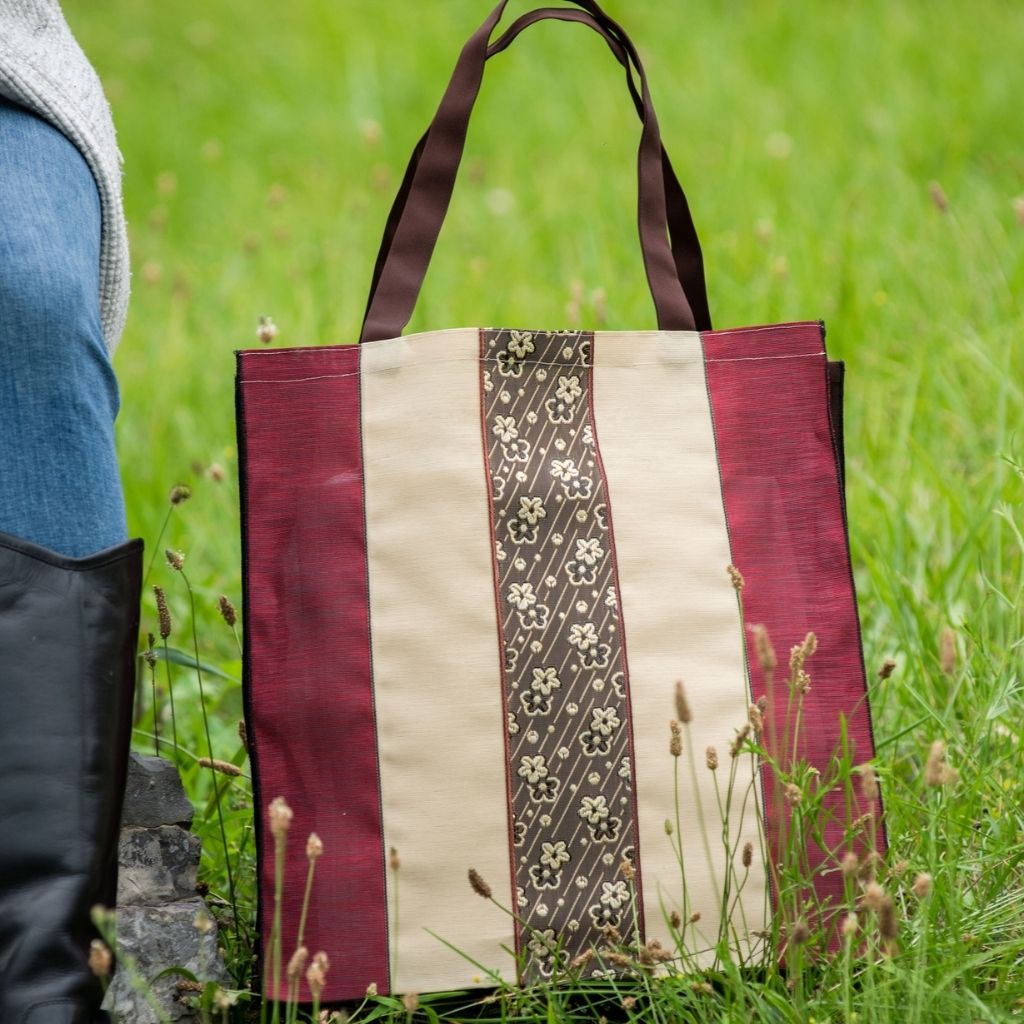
(862,163)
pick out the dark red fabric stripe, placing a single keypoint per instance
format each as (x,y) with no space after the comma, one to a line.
(309,681)
(781,483)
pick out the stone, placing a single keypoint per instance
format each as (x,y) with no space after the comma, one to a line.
(154,794)
(156,865)
(149,940)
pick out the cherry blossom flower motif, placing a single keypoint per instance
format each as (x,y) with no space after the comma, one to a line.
(533,768)
(625,769)
(550,581)
(579,487)
(521,595)
(520,532)
(619,685)
(601,515)
(584,352)
(611,598)
(545,680)
(587,437)
(581,574)
(589,551)
(545,877)
(521,900)
(563,753)
(509,365)
(531,417)
(614,894)
(604,720)
(606,830)
(505,428)
(535,703)
(594,743)
(513,725)
(555,854)
(534,617)
(556,539)
(511,658)
(542,947)
(518,833)
(541,375)
(564,469)
(603,916)
(559,410)
(560,444)
(517,450)
(531,510)
(545,791)
(594,809)
(569,389)
(521,344)
(583,635)
(596,657)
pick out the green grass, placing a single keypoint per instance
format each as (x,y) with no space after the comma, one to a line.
(262,146)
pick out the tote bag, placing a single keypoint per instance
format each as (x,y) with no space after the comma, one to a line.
(476,561)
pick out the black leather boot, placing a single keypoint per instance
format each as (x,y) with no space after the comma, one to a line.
(68,635)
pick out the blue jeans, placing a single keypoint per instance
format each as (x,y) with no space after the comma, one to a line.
(59,481)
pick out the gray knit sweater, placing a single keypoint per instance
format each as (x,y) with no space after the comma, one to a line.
(43,69)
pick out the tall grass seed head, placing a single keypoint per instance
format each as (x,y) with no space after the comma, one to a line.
(227,610)
(887,669)
(675,743)
(683,712)
(175,559)
(936,771)
(736,747)
(266,330)
(747,856)
(868,783)
(316,975)
(280,816)
(735,577)
(947,651)
(922,886)
(163,612)
(478,885)
(711,759)
(297,964)
(314,848)
(764,650)
(100,958)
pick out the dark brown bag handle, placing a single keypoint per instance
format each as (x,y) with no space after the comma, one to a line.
(686,251)
(421,207)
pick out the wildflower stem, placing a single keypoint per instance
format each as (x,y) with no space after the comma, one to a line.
(170,697)
(209,746)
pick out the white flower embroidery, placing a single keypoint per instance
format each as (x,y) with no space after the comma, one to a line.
(531,510)
(589,551)
(498,487)
(618,685)
(542,375)
(564,469)
(614,894)
(584,352)
(533,768)
(513,725)
(534,617)
(520,532)
(509,365)
(521,595)
(545,681)
(534,703)
(604,720)
(521,899)
(581,574)
(488,383)
(588,435)
(505,428)
(601,515)
(583,635)
(594,809)
(521,344)
(625,769)
(569,388)
(578,487)
(554,855)
(596,656)
(559,410)
(517,450)
(499,551)
(611,598)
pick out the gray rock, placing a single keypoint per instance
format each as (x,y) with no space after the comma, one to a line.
(156,865)
(149,940)
(154,794)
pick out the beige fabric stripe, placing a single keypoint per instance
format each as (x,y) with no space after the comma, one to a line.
(681,621)
(437,680)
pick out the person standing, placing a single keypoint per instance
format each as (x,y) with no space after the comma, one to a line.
(70,579)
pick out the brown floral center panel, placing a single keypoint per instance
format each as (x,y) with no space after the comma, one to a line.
(570,759)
